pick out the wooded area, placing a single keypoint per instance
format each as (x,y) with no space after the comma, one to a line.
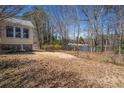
(100,27)
(78,46)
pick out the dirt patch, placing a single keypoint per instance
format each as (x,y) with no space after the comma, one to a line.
(59,55)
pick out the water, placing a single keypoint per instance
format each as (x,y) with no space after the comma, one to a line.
(81,48)
(84,48)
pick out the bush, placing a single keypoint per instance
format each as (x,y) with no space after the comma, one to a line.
(98,49)
(117,50)
(52,47)
(68,47)
(106,60)
(12,49)
(55,42)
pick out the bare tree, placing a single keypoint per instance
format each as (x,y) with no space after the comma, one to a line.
(7,11)
(40,20)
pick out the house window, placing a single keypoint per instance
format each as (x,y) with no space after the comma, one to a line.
(17,32)
(25,33)
(9,31)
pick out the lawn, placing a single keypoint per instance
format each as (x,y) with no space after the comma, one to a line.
(57,69)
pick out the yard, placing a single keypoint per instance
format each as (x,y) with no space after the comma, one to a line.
(58,69)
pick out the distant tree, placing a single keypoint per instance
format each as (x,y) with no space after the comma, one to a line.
(81,40)
(40,20)
(7,11)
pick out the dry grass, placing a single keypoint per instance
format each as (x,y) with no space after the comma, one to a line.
(99,57)
(55,69)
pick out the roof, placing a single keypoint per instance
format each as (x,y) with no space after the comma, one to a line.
(20,21)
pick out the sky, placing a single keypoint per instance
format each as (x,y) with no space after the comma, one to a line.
(26,9)
(51,9)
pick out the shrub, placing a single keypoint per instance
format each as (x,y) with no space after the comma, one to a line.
(52,47)
(12,49)
(55,42)
(117,50)
(106,60)
(98,49)
(68,47)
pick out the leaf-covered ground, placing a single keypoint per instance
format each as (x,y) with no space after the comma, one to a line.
(56,69)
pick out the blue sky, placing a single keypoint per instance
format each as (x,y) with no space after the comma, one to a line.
(51,8)
(26,9)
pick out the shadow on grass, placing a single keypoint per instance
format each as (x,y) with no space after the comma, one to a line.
(30,73)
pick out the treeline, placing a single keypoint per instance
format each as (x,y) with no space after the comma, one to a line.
(103,26)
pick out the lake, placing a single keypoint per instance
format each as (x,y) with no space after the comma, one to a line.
(81,48)
(84,48)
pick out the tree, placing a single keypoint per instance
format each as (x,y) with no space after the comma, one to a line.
(41,22)
(7,11)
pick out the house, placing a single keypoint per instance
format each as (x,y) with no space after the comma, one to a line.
(16,34)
